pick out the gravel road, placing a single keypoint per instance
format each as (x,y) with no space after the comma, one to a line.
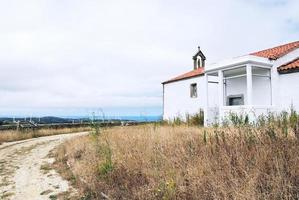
(25,171)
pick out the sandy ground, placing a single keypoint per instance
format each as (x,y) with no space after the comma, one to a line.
(25,171)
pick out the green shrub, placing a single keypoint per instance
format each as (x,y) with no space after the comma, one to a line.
(197,119)
(107,166)
(177,121)
(166,190)
(238,120)
(293,119)
(95,126)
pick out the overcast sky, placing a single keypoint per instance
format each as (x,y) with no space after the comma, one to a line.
(64,57)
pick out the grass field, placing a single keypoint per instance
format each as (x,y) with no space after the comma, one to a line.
(184,162)
(14,135)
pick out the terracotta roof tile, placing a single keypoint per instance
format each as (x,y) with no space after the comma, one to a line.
(289,67)
(193,73)
(277,52)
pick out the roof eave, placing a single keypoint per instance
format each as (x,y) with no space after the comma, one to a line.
(182,79)
(288,71)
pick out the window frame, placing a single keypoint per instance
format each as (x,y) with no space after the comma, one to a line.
(228,99)
(193,90)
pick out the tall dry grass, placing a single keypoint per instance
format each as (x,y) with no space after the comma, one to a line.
(183,162)
(16,135)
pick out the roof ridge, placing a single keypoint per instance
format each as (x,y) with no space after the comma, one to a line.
(276,52)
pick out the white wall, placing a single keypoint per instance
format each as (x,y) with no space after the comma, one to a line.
(285,87)
(177,100)
(213,101)
(261,91)
(289,91)
(213,94)
(236,86)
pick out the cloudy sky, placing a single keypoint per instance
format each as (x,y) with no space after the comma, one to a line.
(68,57)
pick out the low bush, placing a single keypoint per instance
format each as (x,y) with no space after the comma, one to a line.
(196,119)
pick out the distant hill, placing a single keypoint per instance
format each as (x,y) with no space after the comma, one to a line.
(58,120)
(50,120)
(42,120)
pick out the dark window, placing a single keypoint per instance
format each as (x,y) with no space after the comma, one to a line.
(199,64)
(235,100)
(193,90)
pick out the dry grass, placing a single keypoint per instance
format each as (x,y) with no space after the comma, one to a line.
(14,135)
(181,162)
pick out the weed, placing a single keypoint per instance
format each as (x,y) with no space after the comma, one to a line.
(53,197)
(205,137)
(196,119)
(238,120)
(45,168)
(166,190)
(105,168)
(95,126)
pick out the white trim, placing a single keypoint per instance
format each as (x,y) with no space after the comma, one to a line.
(206,106)
(249,84)
(263,67)
(236,76)
(260,75)
(236,62)
(247,106)
(220,93)
(226,68)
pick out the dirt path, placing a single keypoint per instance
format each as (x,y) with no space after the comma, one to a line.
(25,172)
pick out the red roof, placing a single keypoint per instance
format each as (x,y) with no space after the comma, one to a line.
(289,67)
(277,52)
(193,73)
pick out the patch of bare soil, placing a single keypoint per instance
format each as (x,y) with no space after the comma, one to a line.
(25,171)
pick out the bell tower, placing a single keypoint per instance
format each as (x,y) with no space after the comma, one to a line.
(199,59)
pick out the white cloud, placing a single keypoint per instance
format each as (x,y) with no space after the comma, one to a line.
(115,53)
